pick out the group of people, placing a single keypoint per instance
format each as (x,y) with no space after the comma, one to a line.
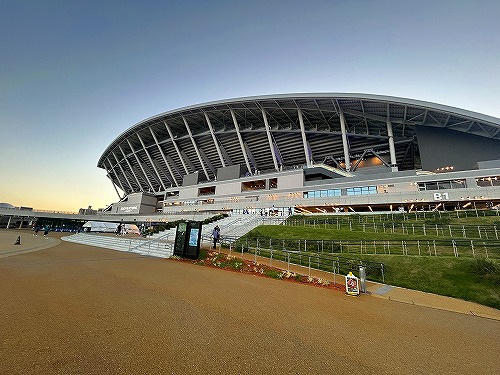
(45,231)
(120,230)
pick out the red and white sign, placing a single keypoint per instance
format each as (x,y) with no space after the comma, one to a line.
(351,284)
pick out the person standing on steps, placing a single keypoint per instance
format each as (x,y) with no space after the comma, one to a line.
(216,235)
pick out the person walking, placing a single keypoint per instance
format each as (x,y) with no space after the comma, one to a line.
(46,232)
(216,235)
(36,231)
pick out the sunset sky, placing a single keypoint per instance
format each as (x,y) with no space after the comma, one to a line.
(76,74)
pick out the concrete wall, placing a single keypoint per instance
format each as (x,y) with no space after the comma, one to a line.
(191,179)
(190,192)
(441,147)
(489,164)
(291,180)
(230,173)
(137,203)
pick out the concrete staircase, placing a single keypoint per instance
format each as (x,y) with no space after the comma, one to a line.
(160,247)
(168,235)
(162,244)
(234,225)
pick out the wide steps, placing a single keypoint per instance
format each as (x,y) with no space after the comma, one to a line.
(154,248)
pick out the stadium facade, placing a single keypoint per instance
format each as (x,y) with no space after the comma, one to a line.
(306,153)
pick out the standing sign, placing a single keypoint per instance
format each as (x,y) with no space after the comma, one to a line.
(351,284)
(180,239)
(187,239)
(193,240)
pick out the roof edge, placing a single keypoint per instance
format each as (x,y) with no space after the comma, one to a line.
(359,96)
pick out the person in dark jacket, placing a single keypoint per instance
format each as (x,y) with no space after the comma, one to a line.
(216,235)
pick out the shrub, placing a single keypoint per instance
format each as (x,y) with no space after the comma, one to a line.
(275,274)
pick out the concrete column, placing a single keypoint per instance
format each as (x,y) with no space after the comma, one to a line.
(195,148)
(345,144)
(141,167)
(240,140)
(108,170)
(214,138)
(269,138)
(176,147)
(123,172)
(164,158)
(392,149)
(130,167)
(304,139)
(151,161)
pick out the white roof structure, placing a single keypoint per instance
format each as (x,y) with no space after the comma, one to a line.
(280,132)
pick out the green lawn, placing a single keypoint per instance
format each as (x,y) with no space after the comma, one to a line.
(465,277)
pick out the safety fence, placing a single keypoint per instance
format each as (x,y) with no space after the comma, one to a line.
(486,232)
(452,247)
(333,263)
(402,216)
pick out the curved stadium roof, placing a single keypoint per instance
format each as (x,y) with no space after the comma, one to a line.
(272,132)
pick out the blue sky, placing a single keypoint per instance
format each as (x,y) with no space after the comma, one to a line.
(76,74)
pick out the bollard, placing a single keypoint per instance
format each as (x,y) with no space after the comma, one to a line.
(362,279)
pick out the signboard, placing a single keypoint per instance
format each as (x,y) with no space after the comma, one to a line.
(441,196)
(193,237)
(180,239)
(187,239)
(128,209)
(351,284)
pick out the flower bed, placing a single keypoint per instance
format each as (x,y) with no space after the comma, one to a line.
(232,263)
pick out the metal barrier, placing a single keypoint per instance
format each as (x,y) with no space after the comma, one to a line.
(486,232)
(450,247)
(329,262)
(157,245)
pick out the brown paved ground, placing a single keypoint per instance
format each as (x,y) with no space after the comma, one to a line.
(77,309)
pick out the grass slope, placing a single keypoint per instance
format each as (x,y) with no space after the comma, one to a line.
(472,279)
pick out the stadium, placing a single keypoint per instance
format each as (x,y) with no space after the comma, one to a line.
(306,153)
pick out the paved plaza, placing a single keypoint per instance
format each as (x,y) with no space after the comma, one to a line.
(68,308)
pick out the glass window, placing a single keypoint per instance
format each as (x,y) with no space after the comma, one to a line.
(488,181)
(458,184)
(334,193)
(431,186)
(362,190)
(442,185)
